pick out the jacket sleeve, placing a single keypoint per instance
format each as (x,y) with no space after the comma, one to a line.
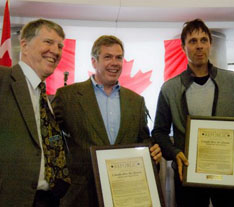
(144,134)
(162,129)
(58,108)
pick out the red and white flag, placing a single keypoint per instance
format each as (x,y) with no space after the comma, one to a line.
(5,48)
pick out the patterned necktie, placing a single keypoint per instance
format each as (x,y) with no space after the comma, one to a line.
(52,142)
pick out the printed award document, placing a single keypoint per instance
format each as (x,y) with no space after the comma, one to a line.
(129,186)
(215,151)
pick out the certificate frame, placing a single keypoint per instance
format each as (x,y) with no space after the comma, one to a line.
(99,156)
(211,178)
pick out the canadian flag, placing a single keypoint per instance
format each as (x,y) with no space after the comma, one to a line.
(5,48)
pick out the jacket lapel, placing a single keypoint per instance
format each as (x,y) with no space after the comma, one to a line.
(89,103)
(23,98)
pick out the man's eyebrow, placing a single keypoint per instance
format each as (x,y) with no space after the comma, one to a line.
(193,38)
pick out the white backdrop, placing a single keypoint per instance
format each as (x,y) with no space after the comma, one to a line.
(143,43)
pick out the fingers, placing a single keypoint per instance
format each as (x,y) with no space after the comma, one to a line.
(180,167)
(181,160)
(156,153)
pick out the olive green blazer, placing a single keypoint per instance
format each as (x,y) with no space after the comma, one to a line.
(77,110)
(20,154)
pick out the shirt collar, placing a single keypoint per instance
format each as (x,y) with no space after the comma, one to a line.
(30,74)
(187,78)
(95,84)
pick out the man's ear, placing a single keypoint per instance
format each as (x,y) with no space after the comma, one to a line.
(23,45)
(94,62)
(182,46)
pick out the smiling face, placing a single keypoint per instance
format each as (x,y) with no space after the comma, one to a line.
(43,52)
(197,49)
(108,65)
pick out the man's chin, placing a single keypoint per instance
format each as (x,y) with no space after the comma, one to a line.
(49,73)
(200,63)
(113,82)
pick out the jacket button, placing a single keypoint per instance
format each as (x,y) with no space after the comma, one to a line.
(34,185)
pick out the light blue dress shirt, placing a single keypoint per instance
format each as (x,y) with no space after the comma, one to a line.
(109,106)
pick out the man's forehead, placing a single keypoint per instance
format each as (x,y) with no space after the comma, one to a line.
(197,33)
(111,48)
(47,31)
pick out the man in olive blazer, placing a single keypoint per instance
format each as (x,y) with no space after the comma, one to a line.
(22,166)
(77,110)
(19,143)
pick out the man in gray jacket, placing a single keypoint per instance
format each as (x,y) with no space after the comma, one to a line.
(202,89)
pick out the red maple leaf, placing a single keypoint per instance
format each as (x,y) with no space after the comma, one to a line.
(138,83)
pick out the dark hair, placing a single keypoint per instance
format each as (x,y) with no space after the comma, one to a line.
(194,25)
(106,40)
(32,28)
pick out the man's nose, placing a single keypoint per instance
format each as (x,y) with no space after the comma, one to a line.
(115,61)
(199,44)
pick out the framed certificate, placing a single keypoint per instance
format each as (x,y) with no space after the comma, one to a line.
(126,176)
(209,148)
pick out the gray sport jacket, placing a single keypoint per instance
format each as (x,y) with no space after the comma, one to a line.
(172,108)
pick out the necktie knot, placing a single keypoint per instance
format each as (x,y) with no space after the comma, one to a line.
(42,86)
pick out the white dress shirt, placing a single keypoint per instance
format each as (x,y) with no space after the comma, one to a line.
(33,81)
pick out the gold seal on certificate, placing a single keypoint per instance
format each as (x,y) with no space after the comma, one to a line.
(129,186)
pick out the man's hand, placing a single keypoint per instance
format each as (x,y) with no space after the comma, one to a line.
(155,152)
(181,160)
